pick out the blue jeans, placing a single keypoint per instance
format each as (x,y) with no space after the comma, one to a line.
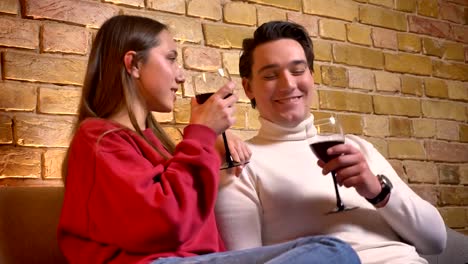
(310,250)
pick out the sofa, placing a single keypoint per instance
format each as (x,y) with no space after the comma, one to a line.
(29,218)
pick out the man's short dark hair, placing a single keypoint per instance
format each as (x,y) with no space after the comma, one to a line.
(270,31)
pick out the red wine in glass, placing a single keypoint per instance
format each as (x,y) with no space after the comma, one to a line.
(201,98)
(329,134)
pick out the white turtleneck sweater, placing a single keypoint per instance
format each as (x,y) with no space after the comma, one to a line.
(282,195)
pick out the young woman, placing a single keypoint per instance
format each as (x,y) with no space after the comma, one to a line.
(132,196)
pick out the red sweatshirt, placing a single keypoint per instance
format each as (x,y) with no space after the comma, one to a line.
(125,204)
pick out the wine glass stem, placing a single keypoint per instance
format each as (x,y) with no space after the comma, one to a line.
(339,204)
(228,152)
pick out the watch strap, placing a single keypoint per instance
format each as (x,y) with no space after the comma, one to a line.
(386,188)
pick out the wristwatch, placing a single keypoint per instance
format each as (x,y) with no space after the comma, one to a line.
(386,189)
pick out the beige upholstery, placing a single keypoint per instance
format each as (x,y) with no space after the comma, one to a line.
(29,217)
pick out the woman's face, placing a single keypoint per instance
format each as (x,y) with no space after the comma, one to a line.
(161,75)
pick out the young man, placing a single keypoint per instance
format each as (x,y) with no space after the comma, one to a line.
(282,194)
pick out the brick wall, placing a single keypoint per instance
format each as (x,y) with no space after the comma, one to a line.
(394,71)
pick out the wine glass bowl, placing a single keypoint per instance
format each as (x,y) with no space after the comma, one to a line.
(205,85)
(329,134)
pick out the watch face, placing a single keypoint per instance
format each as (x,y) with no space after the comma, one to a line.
(385,180)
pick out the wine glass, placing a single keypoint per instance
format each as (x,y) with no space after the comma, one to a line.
(329,134)
(205,85)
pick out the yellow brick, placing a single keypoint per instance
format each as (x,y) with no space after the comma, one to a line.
(454,217)
(406,63)
(210,9)
(18,33)
(384,38)
(352,124)
(341,9)
(424,128)
(411,85)
(358,56)
(9,6)
(385,3)
(266,14)
(386,81)
(382,17)
(446,151)
(43,131)
(226,36)
(173,6)
(59,100)
(174,133)
(163,117)
(353,102)
(428,8)
(30,67)
(379,144)
(406,5)
(396,106)
(406,149)
(64,38)
(240,13)
(317,74)
(458,90)
(241,114)
(400,127)
(322,50)
(18,96)
(332,29)
(334,76)
(443,110)
(18,162)
(182,110)
(290,4)
(433,47)
(359,34)
(454,51)
(409,42)
(436,88)
(464,138)
(252,119)
(456,71)
(424,172)
(6,129)
(376,126)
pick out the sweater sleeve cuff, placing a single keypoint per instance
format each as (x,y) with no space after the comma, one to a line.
(205,135)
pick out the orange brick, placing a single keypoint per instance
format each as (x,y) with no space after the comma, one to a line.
(341,9)
(460,33)
(308,22)
(436,88)
(452,12)
(52,163)
(30,67)
(430,27)
(406,149)
(19,33)
(43,131)
(64,38)
(86,13)
(377,16)
(6,129)
(210,9)
(18,162)
(428,8)
(446,152)
(59,100)
(18,96)
(172,6)
(9,6)
(199,58)
(384,38)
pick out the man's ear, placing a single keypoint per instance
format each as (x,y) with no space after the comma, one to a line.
(247,88)
(131,65)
